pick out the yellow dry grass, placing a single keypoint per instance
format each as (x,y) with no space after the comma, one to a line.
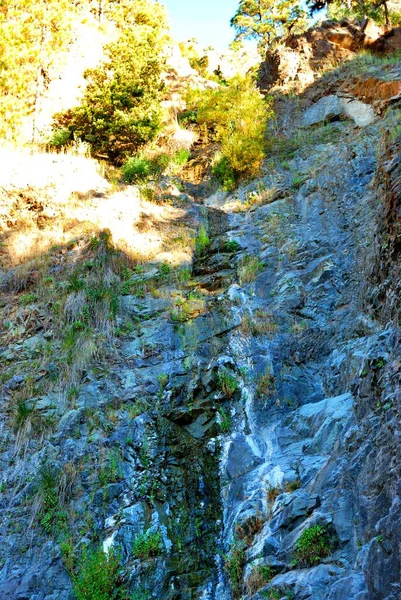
(51,199)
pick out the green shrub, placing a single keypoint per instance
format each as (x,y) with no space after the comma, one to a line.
(228,383)
(60,138)
(225,421)
(312,546)
(234,563)
(181,157)
(53,518)
(231,246)
(236,116)
(120,110)
(27,299)
(265,384)
(136,169)
(249,268)
(202,240)
(147,544)
(224,174)
(97,576)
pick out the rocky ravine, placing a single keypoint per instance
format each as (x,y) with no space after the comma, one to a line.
(243,405)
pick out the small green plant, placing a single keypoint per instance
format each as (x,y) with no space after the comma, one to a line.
(272,493)
(265,384)
(249,268)
(224,174)
(59,138)
(234,564)
(97,575)
(147,544)
(292,486)
(181,157)
(231,246)
(112,470)
(312,546)
(23,410)
(27,299)
(136,169)
(225,421)
(202,241)
(259,577)
(228,383)
(53,518)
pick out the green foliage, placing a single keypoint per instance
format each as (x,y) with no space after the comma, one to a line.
(224,174)
(225,421)
(228,383)
(112,470)
(53,518)
(356,9)
(136,169)
(231,246)
(265,384)
(198,62)
(312,546)
(202,240)
(120,110)
(234,563)
(59,138)
(181,157)
(139,169)
(22,412)
(27,299)
(236,116)
(147,545)
(266,20)
(97,576)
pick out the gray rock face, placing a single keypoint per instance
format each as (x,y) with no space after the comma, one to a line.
(235,433)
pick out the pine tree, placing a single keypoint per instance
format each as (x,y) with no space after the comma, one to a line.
(266,20)
(120,111)
(353,8)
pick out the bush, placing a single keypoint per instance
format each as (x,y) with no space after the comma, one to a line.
(236,116)
(60,138)
(228,383)
(224,174)
(249,268)
(136,169)
(120,111)
(234,563)
(202,240)
(97,575)
(312,546)
(181,157)
(147,544)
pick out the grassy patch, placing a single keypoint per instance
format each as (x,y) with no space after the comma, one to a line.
(312,546)
(234,564)
(228,383)
(265,384)
(248,269)
(202,241)
(147,545)
(259,577)
(96,576)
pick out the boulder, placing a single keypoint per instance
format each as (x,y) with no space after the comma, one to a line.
(333,108)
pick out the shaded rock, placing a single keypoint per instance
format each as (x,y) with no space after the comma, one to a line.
(241,457)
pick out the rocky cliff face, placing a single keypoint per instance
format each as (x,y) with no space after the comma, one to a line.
(239,438)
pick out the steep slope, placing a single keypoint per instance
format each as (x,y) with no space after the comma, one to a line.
(230,429)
